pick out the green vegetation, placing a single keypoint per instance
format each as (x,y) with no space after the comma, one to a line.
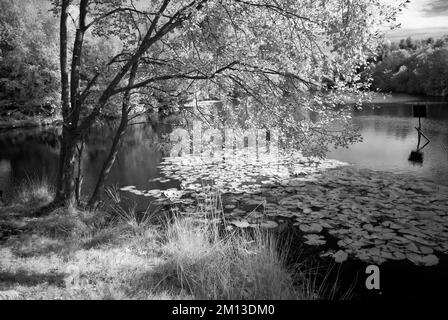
(73,254)
(29,70)
(414,67)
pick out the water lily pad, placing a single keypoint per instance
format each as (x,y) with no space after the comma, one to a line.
(430,260)
(269,224)
(154,192)
(173,194)
(397,255)
(340,256)
(127,188)
(137,192)
(241,224)
(426,250)
(312,228)
(307,211)
(315,240)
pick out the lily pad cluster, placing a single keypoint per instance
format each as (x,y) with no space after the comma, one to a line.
(372,216)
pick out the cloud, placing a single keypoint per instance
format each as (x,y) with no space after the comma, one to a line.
(436,8)
(425,14)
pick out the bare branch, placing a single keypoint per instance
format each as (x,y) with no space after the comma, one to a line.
(176,76)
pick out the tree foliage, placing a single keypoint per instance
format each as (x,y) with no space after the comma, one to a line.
(28,52)
(264,49)
(282,54)
(419,67)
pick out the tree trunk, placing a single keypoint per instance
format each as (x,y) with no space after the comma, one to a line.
(71,105)
(66,184)
(108,164)
(65,99)
(69,197)
(79,177)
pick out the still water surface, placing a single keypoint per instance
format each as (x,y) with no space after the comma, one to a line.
(389,136)
(388,128)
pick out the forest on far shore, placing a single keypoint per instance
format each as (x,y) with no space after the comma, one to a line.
(411,66)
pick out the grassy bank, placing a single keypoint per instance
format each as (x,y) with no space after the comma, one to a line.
(118,254)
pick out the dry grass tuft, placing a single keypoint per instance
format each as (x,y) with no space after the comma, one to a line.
(34,192)
(208,263)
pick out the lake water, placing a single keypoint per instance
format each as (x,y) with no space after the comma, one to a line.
(389,136)
(388,128)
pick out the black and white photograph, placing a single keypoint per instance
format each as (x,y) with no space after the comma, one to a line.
(248,151)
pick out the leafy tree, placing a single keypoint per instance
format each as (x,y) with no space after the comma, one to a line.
(385,69)
(402,45)
(176,48)
(28,52)
(434,73)
(421,72)
(440,43)
(410,44)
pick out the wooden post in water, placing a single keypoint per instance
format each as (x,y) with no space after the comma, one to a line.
(419,111)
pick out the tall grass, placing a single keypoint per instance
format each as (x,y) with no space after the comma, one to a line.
(34,191)
(209,263)
(126,254)
(208,259)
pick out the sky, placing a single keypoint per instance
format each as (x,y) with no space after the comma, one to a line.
(423,14)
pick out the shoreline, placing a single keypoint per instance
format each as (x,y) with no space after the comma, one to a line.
(30,123)
(378,98)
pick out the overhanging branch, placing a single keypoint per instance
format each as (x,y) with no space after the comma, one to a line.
(176,76)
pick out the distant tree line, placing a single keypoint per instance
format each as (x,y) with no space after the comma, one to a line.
(411,66)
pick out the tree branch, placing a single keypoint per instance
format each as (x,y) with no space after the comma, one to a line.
(277,9)
(176,76)
(175,21)
(117,10)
